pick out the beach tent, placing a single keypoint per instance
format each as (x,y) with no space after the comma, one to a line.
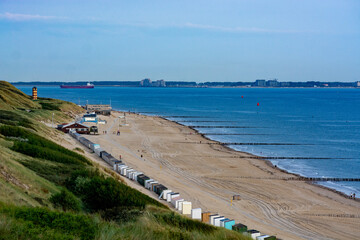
(196,213)
(211,217)
(217,221)
(186,208)
(240,228)
(252,233)
(205,217)
(228,224)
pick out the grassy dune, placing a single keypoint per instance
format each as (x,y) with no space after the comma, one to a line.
(49,192)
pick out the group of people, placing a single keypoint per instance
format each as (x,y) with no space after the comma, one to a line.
(352,196)
(104,132)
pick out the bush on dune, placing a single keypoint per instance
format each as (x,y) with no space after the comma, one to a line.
(66,201)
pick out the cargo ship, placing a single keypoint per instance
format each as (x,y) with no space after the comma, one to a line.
(88,85)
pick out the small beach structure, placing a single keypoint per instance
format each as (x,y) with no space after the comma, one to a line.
(217,221)
(141,179)
(165,192)
(229,224)
(103,109)
(205,217)
(263,237)
(211,218)
(177,203)
(240,228)
(186,208)
(75,126)
(222,222)
(172,195)
(90,117)
(252,233)
(196,213)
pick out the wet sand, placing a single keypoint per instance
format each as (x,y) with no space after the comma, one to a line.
(209,175)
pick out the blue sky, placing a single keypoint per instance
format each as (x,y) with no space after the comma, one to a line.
(212,40)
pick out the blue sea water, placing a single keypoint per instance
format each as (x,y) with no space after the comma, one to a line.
(322,124)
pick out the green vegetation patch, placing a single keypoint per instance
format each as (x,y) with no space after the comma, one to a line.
(36,146)
(33,223)
(100,193)
(187,224)
(14,119)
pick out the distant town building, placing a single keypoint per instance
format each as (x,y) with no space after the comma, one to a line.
(148,83)
(260,83)
(159,83)
(358,84)
(145,82)
(272,83)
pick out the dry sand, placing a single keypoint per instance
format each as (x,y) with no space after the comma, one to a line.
(209,175)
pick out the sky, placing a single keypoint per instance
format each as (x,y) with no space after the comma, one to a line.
(180,40)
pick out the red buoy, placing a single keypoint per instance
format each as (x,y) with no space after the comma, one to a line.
(258,104)
(242,96)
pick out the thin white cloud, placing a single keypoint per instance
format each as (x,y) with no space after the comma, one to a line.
(234,29)
(28,17)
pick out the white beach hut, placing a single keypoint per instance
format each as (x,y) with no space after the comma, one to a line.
(164,193)
(217,221)
(196,213)
(177,203)
(129,172)
(262,237)
(253,233)
(171,196)
(212,218)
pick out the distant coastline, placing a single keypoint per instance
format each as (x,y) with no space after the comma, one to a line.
(260,83)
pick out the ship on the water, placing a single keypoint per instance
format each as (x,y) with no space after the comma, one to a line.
(88,85)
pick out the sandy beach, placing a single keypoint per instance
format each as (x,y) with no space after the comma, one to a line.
(208,175)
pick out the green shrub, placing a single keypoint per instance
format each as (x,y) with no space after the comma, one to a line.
(49,106)
(34,139)
(66,201)
(56,173)
(121,214)
(44,153)
(14,119)
(42,220)
(100,193)
(175,220)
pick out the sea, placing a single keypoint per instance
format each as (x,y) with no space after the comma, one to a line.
(313,132)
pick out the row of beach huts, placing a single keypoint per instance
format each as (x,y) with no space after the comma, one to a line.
(173,197)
